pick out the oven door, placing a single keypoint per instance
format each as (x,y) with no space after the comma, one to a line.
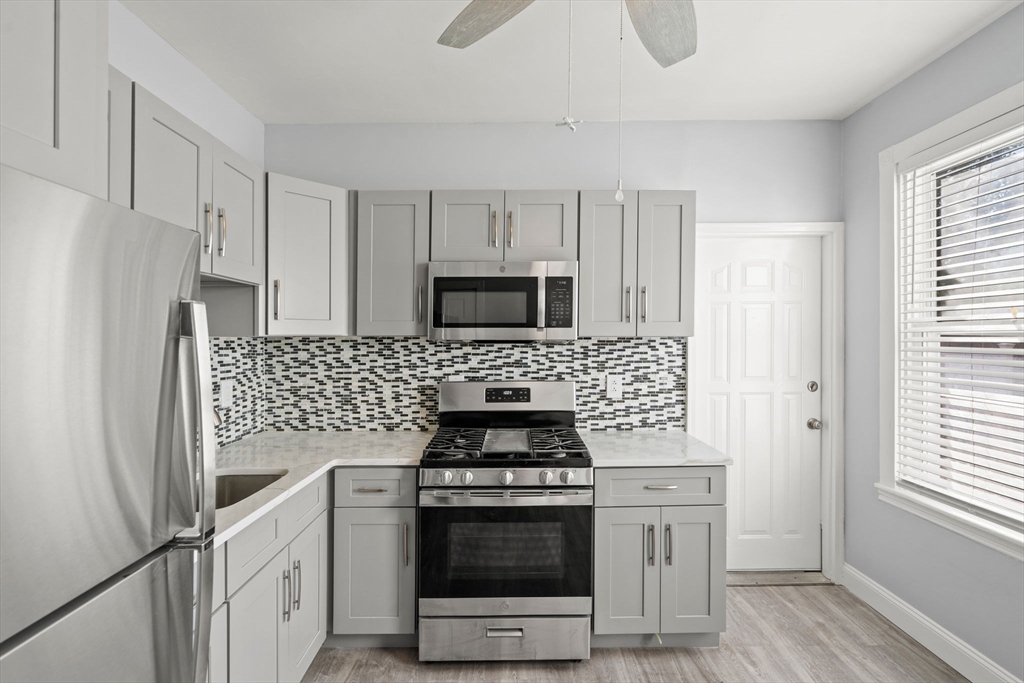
(501,552)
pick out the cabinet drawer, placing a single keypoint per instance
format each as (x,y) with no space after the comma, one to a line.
(445,640)
(302,508)
(376,487)
(640,486)
(253,547)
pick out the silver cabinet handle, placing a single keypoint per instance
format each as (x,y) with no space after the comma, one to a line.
(297,570)
(643,309)
(494,222)
(650,554)
(209,227)
(494,632)
(629,303)
(668,544)
(405,529)
(511,232)
(277,299)
(661,487)
(287,614)
(419,304)
(223,215)
(362,490)
(814,423)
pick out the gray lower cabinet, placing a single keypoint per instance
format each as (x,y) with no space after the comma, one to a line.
(637,264)
(467,225)
(53,91)
(659,570)
(374,570)
(307,620)
(541,225)
(393,245)
(218,671)
(257,635)
(307,258)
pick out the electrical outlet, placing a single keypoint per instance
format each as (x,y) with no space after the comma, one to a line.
(613,386)
(456,378)
(227,393)
(664,381)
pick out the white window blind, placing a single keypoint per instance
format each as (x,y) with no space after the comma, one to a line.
(960,400)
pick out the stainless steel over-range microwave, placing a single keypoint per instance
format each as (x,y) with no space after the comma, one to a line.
(502,301)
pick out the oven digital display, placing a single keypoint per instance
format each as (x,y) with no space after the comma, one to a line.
(496,395)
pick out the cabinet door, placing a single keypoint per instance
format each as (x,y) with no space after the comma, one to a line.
(239,249)
(541,225)
(607,264)
(667,231)
(626,570)
(693,569)
(259,623)
(374,570)
(393,245)
(173,169)
(119,143)
(307,629)
(307,257)
(53,91)
(467,225)
(218,671)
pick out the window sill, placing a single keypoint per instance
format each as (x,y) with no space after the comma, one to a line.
(987,533)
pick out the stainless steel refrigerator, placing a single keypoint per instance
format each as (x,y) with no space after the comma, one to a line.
(106,442)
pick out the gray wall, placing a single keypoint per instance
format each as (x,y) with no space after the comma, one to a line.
(975,592)
(741,170)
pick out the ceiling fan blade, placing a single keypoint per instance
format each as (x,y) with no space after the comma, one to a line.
(667,28)
(478,19)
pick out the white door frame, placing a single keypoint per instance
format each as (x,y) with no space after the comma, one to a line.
(833,360)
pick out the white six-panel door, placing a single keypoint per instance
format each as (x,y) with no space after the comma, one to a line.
(756,346)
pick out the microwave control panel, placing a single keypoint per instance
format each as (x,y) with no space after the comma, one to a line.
(558,302)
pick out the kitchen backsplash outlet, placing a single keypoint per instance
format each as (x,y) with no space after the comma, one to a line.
(338,384)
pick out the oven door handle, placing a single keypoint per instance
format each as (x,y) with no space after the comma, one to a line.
(503,498)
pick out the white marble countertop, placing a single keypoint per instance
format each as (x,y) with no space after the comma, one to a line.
(304,456)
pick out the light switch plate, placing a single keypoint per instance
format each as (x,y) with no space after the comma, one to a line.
(613,386)
(227,393)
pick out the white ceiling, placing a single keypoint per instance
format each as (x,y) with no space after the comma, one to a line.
(300,61)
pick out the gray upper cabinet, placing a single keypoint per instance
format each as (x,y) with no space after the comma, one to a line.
(173,176)
(257,616)
(608,241)
(626,570)
(693,569)
(393,245)
(541,225)
(119,143)
(53,91)
(666,236)
(238,206)
(307,258)
(374,570)
(467,225)
(307,625)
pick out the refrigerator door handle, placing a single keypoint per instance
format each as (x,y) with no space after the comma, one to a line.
(194,357)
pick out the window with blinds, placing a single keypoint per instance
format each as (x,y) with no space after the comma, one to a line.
(960,400)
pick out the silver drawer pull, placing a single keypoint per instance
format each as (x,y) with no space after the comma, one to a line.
(504,632)
(362,490)
(661,487)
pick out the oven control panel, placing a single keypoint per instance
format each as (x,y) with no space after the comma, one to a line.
(558,302)
(500,395)
(493,477)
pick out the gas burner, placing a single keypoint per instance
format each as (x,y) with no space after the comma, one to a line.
(453,443)
(556,442)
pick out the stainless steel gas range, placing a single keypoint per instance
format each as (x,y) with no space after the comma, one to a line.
(506,525)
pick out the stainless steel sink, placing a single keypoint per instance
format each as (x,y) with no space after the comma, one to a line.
(237,485)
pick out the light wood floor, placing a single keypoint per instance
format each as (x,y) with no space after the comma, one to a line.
(775,633)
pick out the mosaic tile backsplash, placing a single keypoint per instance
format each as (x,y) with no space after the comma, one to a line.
(335,384)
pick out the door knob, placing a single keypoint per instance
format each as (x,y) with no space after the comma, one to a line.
(814,423)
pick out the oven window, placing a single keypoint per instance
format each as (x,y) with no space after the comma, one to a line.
(485,302)
(523,550)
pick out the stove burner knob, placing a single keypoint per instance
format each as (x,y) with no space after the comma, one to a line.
(567,477)
(505,478)
(546,476)
(467,478)
(444,477)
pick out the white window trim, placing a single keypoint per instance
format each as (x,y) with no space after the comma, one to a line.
(970,122)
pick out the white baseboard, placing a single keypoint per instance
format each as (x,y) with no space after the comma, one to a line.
(943,644)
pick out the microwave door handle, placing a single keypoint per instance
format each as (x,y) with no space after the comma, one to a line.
(541,296)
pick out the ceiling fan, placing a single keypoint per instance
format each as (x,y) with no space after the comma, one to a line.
(667,28)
